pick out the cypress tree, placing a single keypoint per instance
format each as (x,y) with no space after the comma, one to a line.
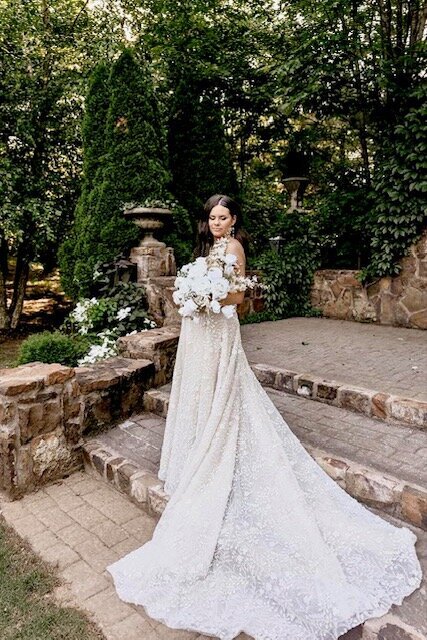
(73,249)
(200,160)
(131,167)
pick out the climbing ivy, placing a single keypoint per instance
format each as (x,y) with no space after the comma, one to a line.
(400,188)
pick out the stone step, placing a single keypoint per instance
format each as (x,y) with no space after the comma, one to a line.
(369,402)
(128,457)
(380,464)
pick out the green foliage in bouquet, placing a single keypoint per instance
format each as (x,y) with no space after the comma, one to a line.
(53,347)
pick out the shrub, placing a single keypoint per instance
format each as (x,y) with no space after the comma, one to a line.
(53,347)
(289,275)
(200,157)
(132,166)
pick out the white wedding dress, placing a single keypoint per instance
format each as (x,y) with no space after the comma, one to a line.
(256,537)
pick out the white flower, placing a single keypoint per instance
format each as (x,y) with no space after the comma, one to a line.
(230,259)
(188,308)
(131,333)
(178,297)
(228,310)
(220,288)
(198,268)
(123,313)
(214,274)
(215,306)
(202,286)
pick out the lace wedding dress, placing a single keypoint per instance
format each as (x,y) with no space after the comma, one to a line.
(256,537)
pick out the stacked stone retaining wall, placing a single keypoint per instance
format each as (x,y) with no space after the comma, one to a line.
(45,409)
(399,301)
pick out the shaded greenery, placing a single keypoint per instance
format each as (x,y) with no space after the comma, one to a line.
(53,347)
(399,210)
(246,87)
(75,270)
(289,273)
(200,159)
(27,612)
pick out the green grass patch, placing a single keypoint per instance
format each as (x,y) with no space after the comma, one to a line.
(27,608)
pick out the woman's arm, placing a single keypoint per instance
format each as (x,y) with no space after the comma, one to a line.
(236,249)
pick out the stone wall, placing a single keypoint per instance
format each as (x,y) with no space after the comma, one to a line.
(399,301)
(45,409)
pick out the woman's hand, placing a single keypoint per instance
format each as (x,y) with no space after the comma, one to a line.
(233,298)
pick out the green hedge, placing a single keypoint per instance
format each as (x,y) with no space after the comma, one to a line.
(53,348)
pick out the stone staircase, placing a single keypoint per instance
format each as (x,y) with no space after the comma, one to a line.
(378,461)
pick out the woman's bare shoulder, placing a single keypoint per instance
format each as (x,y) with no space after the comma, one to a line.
(235,246)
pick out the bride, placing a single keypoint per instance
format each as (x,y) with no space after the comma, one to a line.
(256,537)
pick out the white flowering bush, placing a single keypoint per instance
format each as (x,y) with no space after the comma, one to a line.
(106,348)
(105,319)
(201,285)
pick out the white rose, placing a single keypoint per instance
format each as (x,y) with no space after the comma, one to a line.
(220,288)
(228,310)
(215,306)
(178,297)
(202,286)
(188,308)
(214,274)
(198,268)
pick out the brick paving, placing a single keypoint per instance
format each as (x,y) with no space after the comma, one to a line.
(389,359)
(400,451)
(82,525)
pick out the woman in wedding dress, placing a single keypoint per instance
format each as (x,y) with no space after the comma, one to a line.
(256,537)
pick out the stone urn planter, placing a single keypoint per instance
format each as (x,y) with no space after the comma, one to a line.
(152,257)
(295,186)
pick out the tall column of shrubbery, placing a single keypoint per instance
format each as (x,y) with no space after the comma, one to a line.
(125,161)
(74,269)
(200,159)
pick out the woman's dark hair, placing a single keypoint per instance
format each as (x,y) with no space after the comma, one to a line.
(205,238)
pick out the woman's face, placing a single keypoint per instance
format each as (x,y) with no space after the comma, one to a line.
(220,221)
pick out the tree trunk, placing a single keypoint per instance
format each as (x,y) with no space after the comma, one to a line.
(19,285)
(4,317)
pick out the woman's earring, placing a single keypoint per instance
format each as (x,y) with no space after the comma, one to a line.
(232,231)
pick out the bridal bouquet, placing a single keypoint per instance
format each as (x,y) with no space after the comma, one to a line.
(202,284)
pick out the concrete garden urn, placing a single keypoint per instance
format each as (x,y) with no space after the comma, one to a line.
(152,257)
(295,186)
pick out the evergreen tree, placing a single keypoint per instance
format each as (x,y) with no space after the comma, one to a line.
(73,269)
(125,163)
(200,160)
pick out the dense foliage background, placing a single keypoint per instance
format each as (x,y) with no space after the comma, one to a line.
(112,101)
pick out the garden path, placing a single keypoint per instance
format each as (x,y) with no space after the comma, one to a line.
(388,359)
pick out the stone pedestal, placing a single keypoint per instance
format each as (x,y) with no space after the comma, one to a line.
(153,260)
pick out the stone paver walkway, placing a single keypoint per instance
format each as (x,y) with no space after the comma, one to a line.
(389,359)
(82,525)
(399,451)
